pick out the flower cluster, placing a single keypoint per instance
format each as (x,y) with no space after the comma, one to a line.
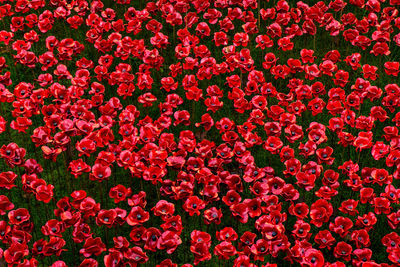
(257,133)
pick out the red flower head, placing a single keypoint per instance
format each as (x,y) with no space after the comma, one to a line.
(292,167)
(87,206)
(44,193)
(53,228)
(324,155)
(212,215)
(193,205)
(2,124)
(100,172)
(320,212)
(169,240)
(164,209)
(324,239)
(307,56)
(106,217)
(227,234)
(362,255)
(13,154)
(341,226)
(353,60)
(54,246)
(361,238)
(18,216)
(343,251)
(370,72)
(301,230)
(381,205)
(392,68)
(363,140)
(349,207)
(240,212)
(137,216)
(5,204)
(150,236)
(380,48)
(15,253)
(313,257)
(225,250)
(294,132)
(119,193)
(341,78)
(300,210)
(93,246)
(7,179)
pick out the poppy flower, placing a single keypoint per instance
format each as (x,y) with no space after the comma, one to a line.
(2,124)
(343,250)
(93,246)
(15,252)
(137,216)
(78,167)
(301,230)
(313,257)
(7,179)
(54,246)
(227,234)
(18,216)
(363,140)
(193,205)
(393,220)
(225,250)
(370,72)
(381,205)
(341,225)
(361,238)
(307,56)
(5,204)
(169,240)
(53,227)
(100,172)
(392,68)
(380,48)
(320,212)
(6,37)
(87,205)
(324,239)
(44,193)
(324,155)
(163,209)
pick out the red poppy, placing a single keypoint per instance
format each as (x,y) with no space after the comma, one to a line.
(381,205)
(325,239)
(100,172)
(193,205)
(169,240)
(225,250)
(320,212)
(7,179)
(392,68)
(370,72)
(341,225)
(18,216)
(361,238)
(313,257)
(93,246)
(137,216)
(15,252)
(343,251)
(5,204)
(54,246)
